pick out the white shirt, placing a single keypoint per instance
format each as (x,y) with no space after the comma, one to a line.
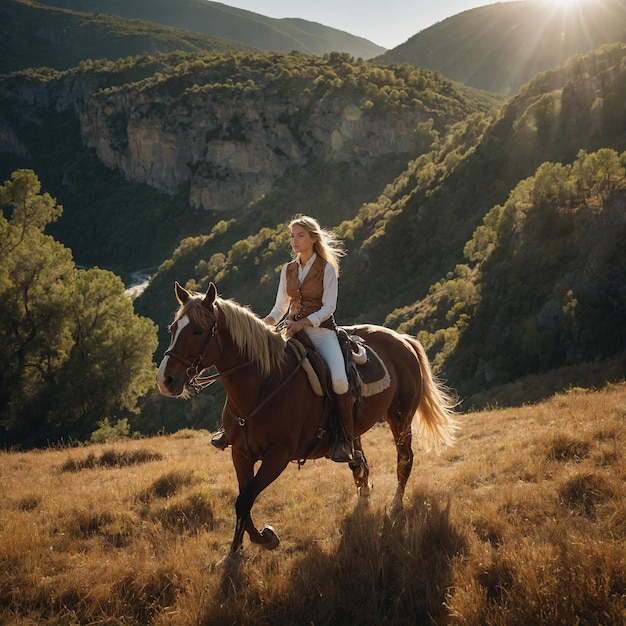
(329,295)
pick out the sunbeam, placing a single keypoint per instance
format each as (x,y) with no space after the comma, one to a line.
(568,3)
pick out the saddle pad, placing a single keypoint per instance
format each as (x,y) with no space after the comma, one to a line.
(373,374)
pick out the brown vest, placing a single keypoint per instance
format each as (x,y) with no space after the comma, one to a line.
(307,297)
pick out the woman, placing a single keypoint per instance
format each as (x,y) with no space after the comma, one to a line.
(307,294)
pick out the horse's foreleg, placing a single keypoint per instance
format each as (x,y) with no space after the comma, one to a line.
(244,503)
(271,467)
(244,468)
(360,472)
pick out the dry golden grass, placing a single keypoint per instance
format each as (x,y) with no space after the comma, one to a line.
(522,522)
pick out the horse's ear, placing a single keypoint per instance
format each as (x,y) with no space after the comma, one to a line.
(210,295)
(182,295)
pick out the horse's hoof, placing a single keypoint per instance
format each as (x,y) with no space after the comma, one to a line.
(273,540)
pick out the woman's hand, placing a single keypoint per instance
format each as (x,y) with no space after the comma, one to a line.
(293,327)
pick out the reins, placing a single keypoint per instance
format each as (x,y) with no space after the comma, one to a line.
(202,382)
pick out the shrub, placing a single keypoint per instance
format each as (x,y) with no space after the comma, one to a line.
(107,432)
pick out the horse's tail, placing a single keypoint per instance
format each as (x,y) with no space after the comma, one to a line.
(437,425)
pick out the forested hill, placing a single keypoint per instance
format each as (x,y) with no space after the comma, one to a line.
(497,47)
(247,27)
(36,35)
(501,46)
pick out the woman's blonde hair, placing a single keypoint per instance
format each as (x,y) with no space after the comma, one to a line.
(325,243)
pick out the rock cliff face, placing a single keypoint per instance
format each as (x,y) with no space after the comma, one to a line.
(225,144)
(231,150)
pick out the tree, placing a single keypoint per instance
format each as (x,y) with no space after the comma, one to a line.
(72,350)
(609,168)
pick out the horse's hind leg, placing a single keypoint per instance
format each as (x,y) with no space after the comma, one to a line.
(360,472)
(401,430)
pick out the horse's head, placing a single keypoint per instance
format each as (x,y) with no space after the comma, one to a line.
(193,344)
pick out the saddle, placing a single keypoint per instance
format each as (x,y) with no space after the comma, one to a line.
(367,374)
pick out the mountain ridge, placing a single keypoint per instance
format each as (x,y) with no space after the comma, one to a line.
(253,29)
(37,35)
(499,47)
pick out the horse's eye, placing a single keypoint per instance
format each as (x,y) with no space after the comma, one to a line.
(198,331)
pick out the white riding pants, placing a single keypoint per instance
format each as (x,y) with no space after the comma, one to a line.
(327,344)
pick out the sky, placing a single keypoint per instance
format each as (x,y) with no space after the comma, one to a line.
(387,23)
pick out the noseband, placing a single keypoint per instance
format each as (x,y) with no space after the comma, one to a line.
(194,380)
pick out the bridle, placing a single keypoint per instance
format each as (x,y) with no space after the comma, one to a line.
(194,380)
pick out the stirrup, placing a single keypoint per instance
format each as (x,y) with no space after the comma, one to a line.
(343,452)
(220,440)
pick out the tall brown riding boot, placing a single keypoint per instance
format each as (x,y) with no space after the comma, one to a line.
(343,451)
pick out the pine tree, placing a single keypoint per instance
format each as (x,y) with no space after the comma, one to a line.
(72,350)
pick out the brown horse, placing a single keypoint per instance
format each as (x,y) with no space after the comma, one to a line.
(273,415)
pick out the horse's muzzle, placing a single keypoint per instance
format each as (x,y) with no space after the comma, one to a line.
(162,384)
(168,384)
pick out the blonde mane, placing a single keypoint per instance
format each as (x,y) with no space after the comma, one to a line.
(252,337)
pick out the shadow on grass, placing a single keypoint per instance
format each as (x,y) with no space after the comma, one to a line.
(383,571)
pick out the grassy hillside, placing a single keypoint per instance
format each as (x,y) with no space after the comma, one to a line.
(36,35)
(523,521)
(215,18)
(501,46)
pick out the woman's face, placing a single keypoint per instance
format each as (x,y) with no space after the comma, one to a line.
(301,241)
